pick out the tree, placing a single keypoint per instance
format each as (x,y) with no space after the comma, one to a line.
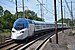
(67,21)
(1,24)
(1,10)
(8,19)
(1,13)
(30,15)
(74,22)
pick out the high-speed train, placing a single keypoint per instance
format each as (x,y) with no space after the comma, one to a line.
(23,28)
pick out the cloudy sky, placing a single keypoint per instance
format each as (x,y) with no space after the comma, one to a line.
(34,6)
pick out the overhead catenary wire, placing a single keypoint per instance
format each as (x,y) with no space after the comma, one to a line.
(71,12)
(45,8)
(68,6)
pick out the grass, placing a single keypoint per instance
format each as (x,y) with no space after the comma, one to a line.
(4,34)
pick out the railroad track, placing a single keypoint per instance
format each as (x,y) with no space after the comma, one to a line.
(24,46)
(4,39)
(36,44)
(11,45)
(8,42)
(40,47)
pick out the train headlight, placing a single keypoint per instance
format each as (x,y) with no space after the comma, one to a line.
(13,31)
(22,32)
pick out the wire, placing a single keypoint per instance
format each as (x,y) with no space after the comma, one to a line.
(67,6)
(45,7)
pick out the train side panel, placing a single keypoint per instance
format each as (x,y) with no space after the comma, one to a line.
(31,29)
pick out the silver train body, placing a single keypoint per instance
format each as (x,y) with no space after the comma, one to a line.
(23,28)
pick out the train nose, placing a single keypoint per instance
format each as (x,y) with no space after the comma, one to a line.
(17,35)
(21,34)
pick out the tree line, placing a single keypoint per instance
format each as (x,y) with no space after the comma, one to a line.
(68,21)
(7,18)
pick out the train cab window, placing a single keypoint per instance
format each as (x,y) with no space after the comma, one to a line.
(19,26)
(20,23)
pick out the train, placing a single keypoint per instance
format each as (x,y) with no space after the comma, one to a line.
(23,28)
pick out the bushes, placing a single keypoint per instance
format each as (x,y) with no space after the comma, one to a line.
(7,30)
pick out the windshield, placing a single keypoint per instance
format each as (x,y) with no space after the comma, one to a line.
(19,26)
(20,23)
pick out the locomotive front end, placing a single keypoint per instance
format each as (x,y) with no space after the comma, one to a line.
(20,29)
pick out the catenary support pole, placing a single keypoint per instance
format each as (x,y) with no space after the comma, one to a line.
(62,16)
(55,22)
(72,15)
(16,9)
(23,8)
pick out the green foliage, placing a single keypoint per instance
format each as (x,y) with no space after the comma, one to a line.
(1,10)
(30,15)
(20,14)
(7,20)
(67,21)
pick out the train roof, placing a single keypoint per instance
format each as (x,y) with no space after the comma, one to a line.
(34,21)
(41,22)
(20,21)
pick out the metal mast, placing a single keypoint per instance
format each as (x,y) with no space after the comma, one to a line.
(41,9)
(72,15)
(23,8)
(62,16)
(16,9)
(55,22)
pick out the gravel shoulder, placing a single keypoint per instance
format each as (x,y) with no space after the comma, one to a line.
(66,41)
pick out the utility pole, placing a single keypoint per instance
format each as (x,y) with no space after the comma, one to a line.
(23,8)
(41,8)
(62,16)
(64,12)
(26,13)
(16,9)
(56,22)
(71,12)
(65,16)
(72,15)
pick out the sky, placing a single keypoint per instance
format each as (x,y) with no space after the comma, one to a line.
(34,6)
